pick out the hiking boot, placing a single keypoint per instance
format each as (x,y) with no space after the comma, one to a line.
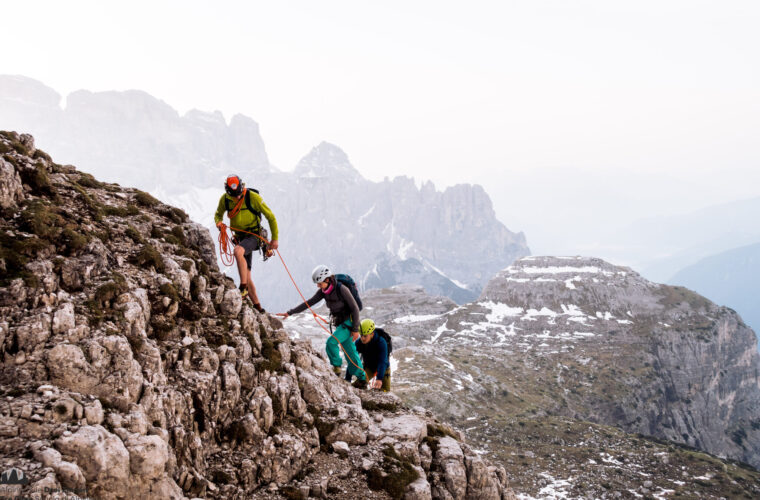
(259,308)
(360,383)
(336,370)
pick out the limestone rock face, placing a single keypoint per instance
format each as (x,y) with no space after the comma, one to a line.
(10,185)
(130,366)
(584,339)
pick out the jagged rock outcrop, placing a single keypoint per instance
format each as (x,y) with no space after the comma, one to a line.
(130,367)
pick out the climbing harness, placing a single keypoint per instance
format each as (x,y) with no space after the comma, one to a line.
(228,257)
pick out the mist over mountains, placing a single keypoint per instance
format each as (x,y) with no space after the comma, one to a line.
(731,278)
(383,233)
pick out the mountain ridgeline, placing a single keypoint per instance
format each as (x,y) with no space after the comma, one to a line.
(382,233)
(731,277)
(130,367)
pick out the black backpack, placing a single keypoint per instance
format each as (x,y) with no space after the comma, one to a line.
(348,281)
(247,203)
(387,338)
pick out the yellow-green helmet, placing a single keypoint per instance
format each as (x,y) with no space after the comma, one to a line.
(368,326)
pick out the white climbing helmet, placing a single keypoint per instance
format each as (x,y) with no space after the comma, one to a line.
(320,273)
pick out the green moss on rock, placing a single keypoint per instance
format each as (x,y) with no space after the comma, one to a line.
(87,180)
(146,200)
(149,256)
(168,290)
(272,357)
(37,178)
(134,234)
(39,219)
(395,475)
(73,240)
(15,251)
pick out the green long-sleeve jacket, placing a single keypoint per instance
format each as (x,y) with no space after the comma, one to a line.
(245,219)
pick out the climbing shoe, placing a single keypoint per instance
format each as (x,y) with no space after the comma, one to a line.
(360,383)
(259,308)
(336,370)
(243,290)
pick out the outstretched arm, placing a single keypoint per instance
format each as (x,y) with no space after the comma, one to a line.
(302,306)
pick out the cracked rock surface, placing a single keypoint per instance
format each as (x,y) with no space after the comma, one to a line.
(130,367)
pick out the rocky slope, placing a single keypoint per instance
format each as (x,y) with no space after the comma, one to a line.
(556,349)
(382,233)
(130,367)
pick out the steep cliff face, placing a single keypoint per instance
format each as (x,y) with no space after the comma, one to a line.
(130,366)
(679,366)
(581,338)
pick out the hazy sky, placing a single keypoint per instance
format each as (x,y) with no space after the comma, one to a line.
(543,102)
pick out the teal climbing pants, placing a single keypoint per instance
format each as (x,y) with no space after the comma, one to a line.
(343,335)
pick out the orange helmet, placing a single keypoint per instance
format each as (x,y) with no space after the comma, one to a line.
(233,185)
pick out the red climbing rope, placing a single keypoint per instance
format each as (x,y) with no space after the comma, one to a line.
(228,257)
(225,249)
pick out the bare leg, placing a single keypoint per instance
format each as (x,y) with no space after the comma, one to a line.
(252,288)
(243,271)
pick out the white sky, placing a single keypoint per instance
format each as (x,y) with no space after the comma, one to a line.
(543,102)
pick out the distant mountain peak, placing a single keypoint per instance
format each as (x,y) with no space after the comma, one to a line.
(326,160)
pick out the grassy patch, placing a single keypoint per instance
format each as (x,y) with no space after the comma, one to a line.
(177,215)
(73,240)
(394,476)
(673,296)
(440,430)
(109,291)
(168,290)
(40,154)
(121,211)
(149,256)
(134,234)
(93,206)
(178,233)
(272,358)
(87,180)
(38,218)
(36,178)
(144,199)
(14,254)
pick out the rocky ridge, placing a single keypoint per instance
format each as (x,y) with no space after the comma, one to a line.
(557,350)
(130,366)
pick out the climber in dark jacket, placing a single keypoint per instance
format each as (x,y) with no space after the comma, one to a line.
(375,356)
(345,316)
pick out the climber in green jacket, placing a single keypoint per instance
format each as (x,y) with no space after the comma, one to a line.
(244,207)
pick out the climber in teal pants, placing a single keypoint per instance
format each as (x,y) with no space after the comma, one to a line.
(344,312)
(343,335)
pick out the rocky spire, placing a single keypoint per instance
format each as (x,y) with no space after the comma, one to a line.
(326,161)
